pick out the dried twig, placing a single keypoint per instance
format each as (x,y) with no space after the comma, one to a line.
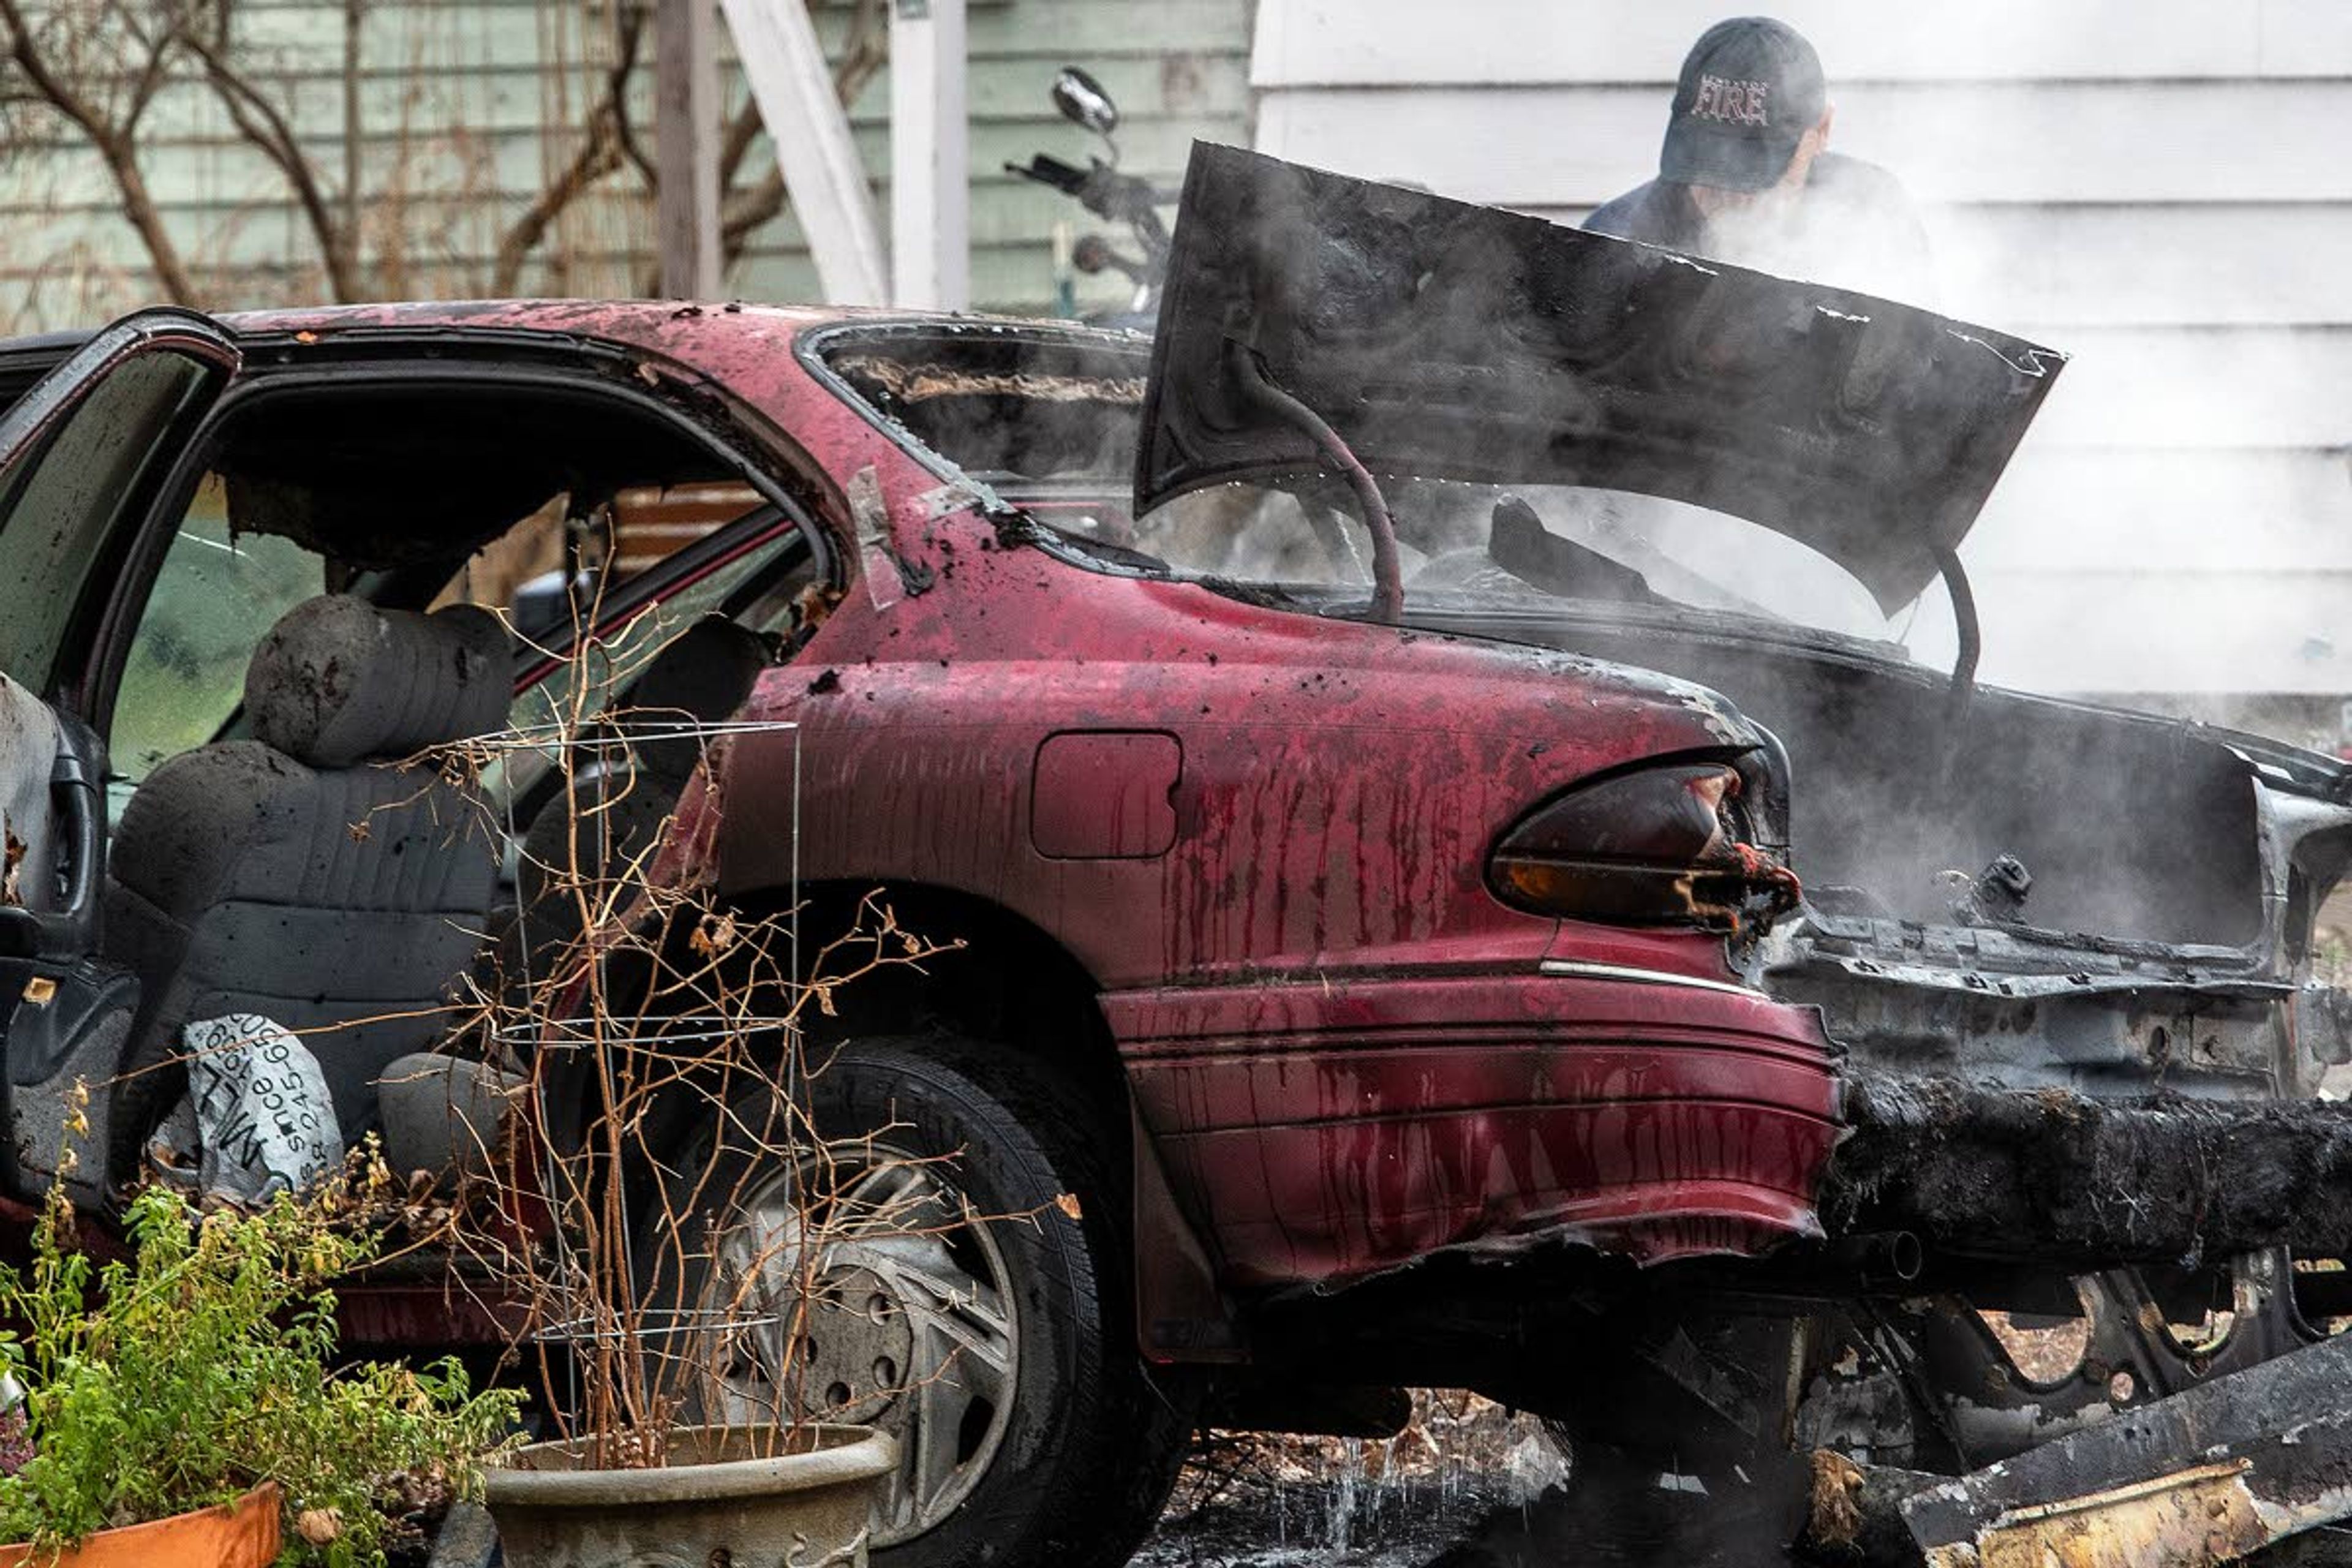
(668,1263)
(604,142)
(65,61)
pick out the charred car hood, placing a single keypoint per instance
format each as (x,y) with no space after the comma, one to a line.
(1442,339)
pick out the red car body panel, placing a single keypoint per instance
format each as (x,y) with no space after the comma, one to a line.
(1264,836)
(1331,1131)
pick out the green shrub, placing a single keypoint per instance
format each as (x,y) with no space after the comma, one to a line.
(205,1365)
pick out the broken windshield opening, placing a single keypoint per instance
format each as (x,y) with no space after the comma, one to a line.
(1049,423)
(1511,546)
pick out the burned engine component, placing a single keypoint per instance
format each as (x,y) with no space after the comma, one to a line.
(2204,1477)
(1995,895)
(2057,1175)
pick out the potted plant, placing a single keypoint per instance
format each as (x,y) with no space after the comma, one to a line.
(690,1222)
(183,1404)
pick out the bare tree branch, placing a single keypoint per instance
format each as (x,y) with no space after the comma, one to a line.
(150,80)
(735,144)
(617,96)
(598,156)
(99,66)
(261,123)
(115,142)
(602,151)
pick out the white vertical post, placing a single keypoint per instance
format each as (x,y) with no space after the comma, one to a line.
(685,146)
(930,162)
(785,66)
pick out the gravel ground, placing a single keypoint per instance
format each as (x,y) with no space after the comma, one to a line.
(1260,1501)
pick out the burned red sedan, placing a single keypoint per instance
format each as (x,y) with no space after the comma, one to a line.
(1435,911)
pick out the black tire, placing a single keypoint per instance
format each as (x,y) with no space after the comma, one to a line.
(1091,1440)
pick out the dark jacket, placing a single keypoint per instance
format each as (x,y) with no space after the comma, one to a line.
(1852,226)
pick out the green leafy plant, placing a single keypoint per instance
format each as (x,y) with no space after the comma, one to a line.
(203,1364)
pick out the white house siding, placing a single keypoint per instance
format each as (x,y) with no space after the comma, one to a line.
(469,104)
(2159,187)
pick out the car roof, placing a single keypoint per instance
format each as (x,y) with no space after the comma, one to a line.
(732,341)
(641,321)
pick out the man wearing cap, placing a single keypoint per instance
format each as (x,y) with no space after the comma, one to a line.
(1746,175)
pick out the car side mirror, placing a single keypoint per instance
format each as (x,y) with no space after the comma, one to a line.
(1082,102)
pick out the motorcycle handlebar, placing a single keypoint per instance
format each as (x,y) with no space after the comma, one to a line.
(1051,171)
(1107,193)
(1101,190)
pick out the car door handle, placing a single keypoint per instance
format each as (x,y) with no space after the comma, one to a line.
(70,931)
(73,792)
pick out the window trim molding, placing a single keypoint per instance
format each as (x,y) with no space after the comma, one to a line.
(96,686)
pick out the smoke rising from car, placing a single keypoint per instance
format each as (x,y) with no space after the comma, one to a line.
(1897,793)
(2065,203)
(1905,789)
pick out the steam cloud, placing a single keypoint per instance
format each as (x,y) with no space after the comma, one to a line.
(2174,530)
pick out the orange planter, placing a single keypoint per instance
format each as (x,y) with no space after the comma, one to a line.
(240,1535)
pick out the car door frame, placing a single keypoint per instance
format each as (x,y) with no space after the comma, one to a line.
(58,393)
(45,956)
(277,366)
(71,931)
(24,362)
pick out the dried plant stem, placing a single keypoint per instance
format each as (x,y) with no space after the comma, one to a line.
(48,62)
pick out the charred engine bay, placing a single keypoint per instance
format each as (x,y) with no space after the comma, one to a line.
(2054,942)
(2058,1177)
(2133,828)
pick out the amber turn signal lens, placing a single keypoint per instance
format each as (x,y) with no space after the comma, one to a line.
(1657,846)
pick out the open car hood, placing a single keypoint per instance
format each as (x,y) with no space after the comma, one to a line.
(1442,339)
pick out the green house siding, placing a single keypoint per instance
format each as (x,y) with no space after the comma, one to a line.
(468,110)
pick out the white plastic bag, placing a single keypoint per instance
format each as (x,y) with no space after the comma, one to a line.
(257,1112)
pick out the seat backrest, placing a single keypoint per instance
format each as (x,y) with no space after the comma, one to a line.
(627,780)
(319,874)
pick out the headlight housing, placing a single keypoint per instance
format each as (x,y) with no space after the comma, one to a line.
(1665,843)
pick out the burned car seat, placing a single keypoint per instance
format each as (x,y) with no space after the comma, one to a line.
(316,874)
(627,780)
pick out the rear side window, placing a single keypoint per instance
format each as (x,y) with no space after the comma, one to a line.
(217,592)
(759,589)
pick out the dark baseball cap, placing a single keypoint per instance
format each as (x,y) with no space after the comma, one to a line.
(1750,88)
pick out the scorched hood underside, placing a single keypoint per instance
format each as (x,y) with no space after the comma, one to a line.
(1442,339)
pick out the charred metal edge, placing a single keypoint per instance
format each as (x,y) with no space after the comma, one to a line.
(2063,1178)
(2267,1453)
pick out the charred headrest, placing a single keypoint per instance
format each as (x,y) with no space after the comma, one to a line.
(339,681)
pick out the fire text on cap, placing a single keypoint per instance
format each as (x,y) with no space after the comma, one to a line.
(1734,103)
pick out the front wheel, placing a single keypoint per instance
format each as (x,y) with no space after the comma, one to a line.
(949,1263)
